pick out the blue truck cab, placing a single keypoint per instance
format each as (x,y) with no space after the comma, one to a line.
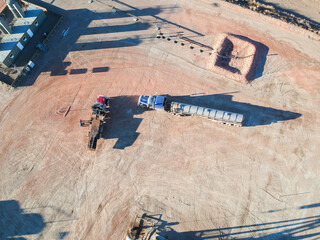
(156,102)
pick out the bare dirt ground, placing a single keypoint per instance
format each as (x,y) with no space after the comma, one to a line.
(307,8)
(205,180)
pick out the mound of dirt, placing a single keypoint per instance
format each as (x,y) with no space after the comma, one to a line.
(237,57)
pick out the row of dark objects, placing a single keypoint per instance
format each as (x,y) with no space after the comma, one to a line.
(175,41)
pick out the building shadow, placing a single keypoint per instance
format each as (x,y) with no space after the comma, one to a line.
(127,42)
(139,26)
(159,18)
(14,222)
(254,115)
(65,39)
(123,123)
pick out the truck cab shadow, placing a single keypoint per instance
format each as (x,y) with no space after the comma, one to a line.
(123,123)
(254,115)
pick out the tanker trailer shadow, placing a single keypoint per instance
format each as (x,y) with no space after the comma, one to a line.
(123,124)
(254,115)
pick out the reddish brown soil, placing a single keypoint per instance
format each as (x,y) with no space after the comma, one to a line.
(204,179)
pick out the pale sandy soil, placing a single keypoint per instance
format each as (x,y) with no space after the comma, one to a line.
(207,181)
(307,8)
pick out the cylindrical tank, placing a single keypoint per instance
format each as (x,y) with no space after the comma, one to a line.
(101,103)
(224,117)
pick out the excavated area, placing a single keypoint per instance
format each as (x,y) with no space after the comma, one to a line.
(236,57)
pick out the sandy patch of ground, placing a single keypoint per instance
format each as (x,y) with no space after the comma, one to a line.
(203,180)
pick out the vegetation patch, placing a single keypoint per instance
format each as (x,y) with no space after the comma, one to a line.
(278,13)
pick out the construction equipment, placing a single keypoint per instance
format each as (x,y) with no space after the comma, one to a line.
(159,102)
(100,111)
(146,227)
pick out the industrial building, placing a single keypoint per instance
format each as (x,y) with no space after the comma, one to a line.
(19,29)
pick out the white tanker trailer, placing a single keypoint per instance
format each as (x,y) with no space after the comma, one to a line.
(159,102)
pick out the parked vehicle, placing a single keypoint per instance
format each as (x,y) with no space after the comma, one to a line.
(159,102)
(100,109)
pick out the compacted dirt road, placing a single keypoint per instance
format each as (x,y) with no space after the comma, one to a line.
(202,180)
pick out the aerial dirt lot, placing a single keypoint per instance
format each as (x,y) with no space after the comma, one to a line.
(308,8)
(200,179)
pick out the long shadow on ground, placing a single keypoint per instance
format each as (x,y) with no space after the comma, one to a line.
(281,229)
(14,222)
(65,39)
(254,115)
(123,124)
(288,229)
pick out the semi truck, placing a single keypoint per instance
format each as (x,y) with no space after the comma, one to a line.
(161,103)
(100,111)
